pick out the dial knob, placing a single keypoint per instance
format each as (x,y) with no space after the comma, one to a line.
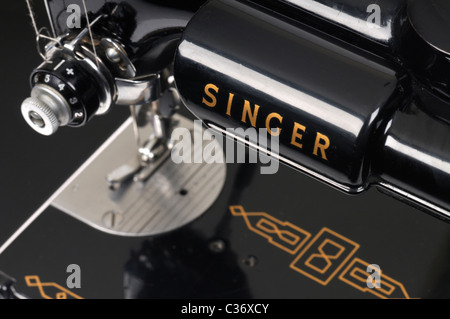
(66,90)
(45,110)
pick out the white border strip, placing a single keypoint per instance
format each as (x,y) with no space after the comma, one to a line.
(47,203)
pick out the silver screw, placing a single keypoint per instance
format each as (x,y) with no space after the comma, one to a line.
(217,246)
(113,55)
(250,261)
(111,219)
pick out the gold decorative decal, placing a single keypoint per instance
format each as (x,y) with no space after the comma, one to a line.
(60,292)
(323,257)
(356,276)
(283,235)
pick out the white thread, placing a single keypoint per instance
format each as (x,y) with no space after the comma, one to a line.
(33,21)
(38,32)
(90,33)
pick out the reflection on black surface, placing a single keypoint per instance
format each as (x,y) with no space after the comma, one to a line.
(121,21)
(184,265)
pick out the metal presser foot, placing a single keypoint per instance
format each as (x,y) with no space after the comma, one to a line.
(153,144)
(145,192)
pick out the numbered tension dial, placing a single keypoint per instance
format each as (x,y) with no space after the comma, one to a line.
(63,93)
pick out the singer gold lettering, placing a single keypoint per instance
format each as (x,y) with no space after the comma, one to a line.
(252,113)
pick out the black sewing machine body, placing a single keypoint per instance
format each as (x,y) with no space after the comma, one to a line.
(282,235)
(219,256)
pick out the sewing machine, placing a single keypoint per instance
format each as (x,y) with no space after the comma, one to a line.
(258,135)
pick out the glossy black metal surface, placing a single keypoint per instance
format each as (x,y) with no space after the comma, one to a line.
(430,19)
(424,49)
(378,21)
(372,26)
(410,247)
(149,30)
(323,91)
(333,102)
(414,160)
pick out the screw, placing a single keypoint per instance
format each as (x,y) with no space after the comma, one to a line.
(111,219)
(36,119)
(217,246)
(250,261)
(113,55)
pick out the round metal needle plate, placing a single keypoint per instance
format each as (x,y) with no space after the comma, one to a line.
(173,196)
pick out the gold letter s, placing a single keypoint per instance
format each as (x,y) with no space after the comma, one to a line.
(213,101)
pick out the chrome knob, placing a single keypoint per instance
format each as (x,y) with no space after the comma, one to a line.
(39,116)
(45,110)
